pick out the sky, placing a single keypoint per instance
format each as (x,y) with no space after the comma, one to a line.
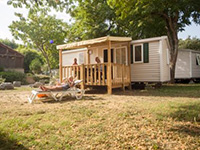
(7,16)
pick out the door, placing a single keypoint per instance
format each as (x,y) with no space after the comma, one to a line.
(105,55)
(105,59)
(120,58)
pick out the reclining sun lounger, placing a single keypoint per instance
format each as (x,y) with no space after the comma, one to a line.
(73,91)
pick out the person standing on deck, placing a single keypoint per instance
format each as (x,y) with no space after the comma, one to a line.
(75,62)
(76,68)
(98,61)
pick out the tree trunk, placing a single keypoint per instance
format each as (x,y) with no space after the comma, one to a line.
(49,67)
(173,62)
(172,32)
(47,59)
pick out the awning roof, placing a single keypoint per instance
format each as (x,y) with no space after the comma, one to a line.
(93,41)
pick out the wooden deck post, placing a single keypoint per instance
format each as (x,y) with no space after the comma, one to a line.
(109,78)
(88,53)
(60,65)
(129,63)
(82,75)
(123,75)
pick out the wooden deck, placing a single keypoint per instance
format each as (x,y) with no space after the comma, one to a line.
(109,74)
(97,74)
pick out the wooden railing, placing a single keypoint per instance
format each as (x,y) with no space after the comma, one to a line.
(74,71)
(120,74)
(96,74)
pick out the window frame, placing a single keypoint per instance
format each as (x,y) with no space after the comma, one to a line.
(197,56)
(142,59)
(105,48)
(126,54)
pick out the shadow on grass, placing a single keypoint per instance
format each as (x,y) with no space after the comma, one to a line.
(10,144)
(186,113)
(97,90)
(68,99)
(189,112)
(175,90)
(191,130)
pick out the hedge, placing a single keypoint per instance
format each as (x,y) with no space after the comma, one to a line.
(11,76)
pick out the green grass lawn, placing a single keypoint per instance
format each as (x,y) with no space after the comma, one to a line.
(165,118)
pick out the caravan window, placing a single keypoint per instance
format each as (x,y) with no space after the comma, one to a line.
(138,53)
(121,55)
(81,58)
(198,59)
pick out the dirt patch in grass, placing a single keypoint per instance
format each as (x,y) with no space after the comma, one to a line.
(165,118)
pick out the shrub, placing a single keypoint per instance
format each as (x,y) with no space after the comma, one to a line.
(11,76)
(2,80)
(35,66)
(29,56)
(29,74)
(1,69)
(44,78)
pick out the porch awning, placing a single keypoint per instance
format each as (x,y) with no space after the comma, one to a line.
(85,43)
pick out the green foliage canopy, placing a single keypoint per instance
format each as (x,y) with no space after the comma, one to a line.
(190,43)
(93,18)
(29,56)
(167,16)
(35,66)
(37,30)
(10,43)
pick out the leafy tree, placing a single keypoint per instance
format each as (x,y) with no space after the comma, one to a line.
(173,14)
(38,30)
(29,56)
(190,43)
(32,4)
(92,18)
(35,66)
(10,43)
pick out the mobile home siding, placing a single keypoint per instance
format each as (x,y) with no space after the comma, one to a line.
(165,62)
(68,57)
(98,52)
(147,72)
(195,67)
(183,65)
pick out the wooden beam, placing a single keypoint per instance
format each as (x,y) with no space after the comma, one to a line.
(82,76)
(129,63)
(109,78)
(60,65)
(123,75)
(88,56)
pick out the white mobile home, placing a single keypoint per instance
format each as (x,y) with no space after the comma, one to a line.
(188,64)
(122,61)
(150,60)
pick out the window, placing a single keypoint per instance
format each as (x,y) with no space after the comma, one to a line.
(138,53)
(105,55)
(121,55)
(198,59)
(81,58)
